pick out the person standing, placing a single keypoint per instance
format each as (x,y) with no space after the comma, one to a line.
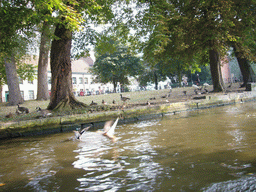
(197,80)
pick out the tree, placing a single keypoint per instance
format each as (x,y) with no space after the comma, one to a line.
(20,68)
(61,91)
(15,19)
(117,67)
(42,77)
(2,76)
(245,67)
(151,74)
(69,20)
(179,29)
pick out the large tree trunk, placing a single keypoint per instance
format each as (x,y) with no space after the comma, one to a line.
(245,67)
(42,83)
(115,85)
(156,81)
(62,96)
(12,82)
(1,93)
(218,84)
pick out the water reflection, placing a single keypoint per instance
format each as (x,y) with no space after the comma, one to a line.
(111,166)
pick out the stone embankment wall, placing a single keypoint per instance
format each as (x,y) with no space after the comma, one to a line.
(71,122)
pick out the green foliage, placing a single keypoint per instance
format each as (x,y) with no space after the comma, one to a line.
(187,30)
(3,79)
(117,66)
(26,71)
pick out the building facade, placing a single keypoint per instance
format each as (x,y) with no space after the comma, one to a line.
(82,80)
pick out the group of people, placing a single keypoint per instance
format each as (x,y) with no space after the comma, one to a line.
(185,80)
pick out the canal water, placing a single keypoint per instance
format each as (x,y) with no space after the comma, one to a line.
(206,150)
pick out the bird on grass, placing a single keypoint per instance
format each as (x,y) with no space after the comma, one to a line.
(166,96)
(44,112)
(103,102)
(79,133)
(93,103)
(114,101)
(22,109)
(124,98)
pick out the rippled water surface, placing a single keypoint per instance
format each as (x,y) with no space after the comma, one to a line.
(207,150)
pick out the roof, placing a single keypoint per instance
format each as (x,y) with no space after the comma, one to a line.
(81,65)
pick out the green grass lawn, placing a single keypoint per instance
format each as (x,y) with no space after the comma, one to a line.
(136,98)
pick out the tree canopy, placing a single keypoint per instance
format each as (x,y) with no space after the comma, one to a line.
(117,66)
(183,29)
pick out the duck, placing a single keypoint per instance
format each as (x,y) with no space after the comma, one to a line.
(93,103)
(79,133)
(9,115)
(114,101)
(124,98)
(152,98)
(166,96)
(103,102)
(44,112)
(22,109)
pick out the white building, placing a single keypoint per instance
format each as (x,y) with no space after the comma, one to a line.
(83,81)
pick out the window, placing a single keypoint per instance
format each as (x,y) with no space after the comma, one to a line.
(20,81)
(74,80)
(49,80)
(85,80)
(30,82)
(22,94)
(31,94)
(80,80)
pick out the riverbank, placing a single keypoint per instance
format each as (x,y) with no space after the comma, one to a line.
(143,105)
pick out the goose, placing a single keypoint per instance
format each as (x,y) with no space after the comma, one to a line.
(78,134)
(103,102)
(44,112)
(22,109)
(124,98)
(93,103)
(17,112)
(114,101)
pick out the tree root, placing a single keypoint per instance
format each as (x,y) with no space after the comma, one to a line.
(69,104)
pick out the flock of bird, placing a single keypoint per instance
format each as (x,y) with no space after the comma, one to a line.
(46,113)
(109,127)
